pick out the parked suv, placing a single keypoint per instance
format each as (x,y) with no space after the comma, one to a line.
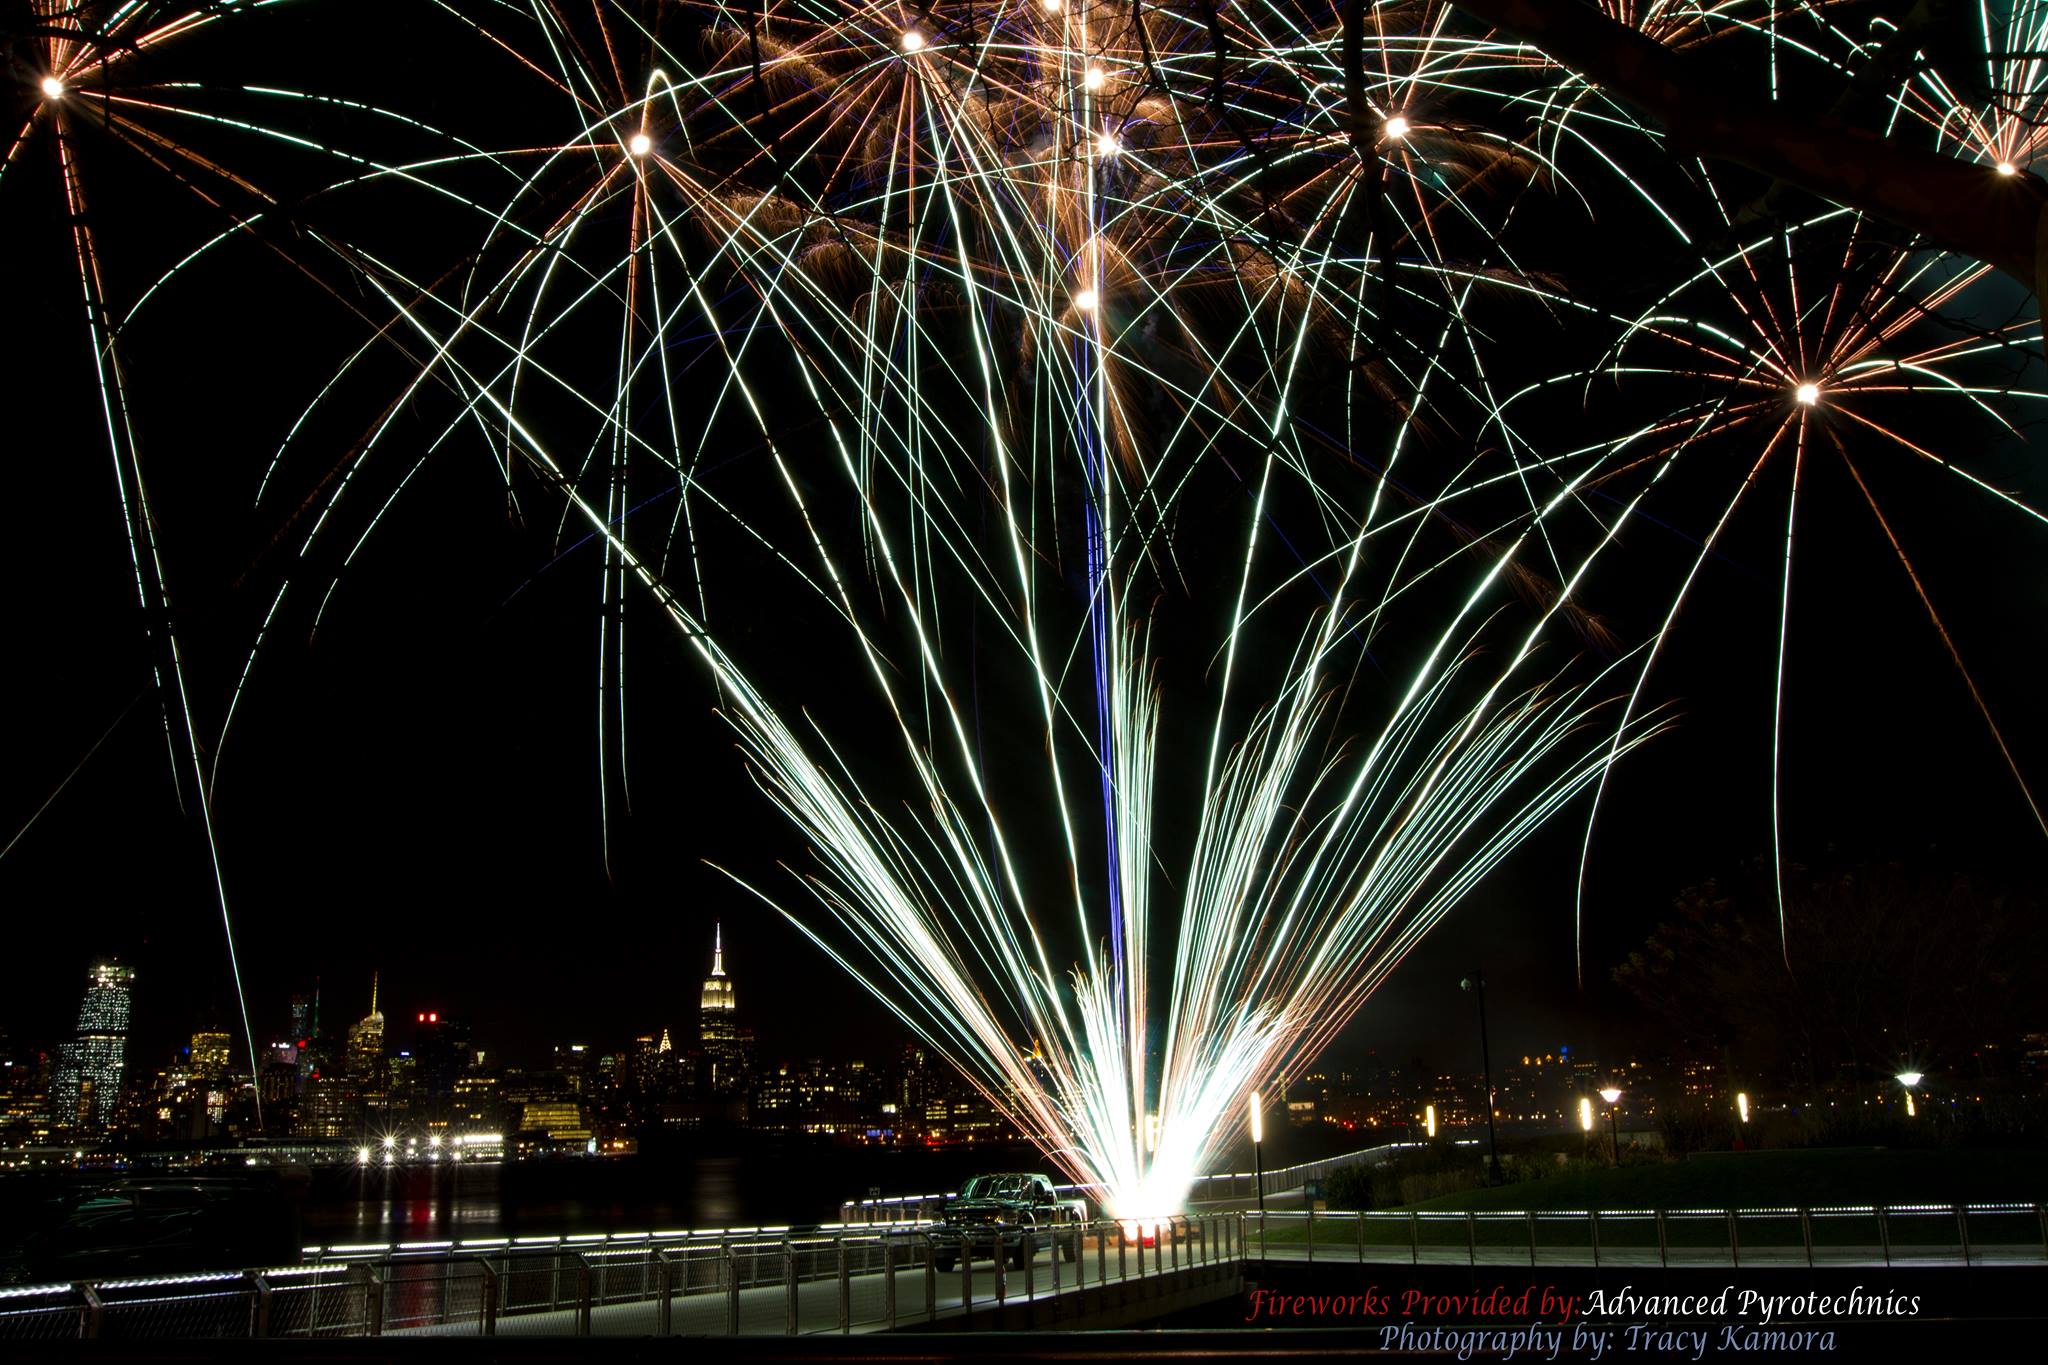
(1012,1215)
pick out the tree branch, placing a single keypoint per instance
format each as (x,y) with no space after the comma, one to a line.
(1997,219)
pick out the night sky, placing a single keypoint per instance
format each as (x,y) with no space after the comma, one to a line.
(414,791)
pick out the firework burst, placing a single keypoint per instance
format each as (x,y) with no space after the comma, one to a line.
(1130,409)
(1001,303)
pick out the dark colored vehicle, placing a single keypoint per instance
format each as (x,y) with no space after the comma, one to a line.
(155,1225)
(1012,1216)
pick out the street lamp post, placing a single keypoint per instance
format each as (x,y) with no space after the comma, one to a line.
(1612,1094)
(1258,1157)
(1909,1079)
(1476,983)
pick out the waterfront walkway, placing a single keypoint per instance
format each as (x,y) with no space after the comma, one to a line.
(878,1277)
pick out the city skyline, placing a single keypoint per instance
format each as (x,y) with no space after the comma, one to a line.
(1535,995)
(433,1084)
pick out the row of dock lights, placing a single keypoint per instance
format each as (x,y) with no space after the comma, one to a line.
(456,1148)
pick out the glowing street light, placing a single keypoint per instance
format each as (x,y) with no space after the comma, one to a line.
(1429,1119)
(2004,167)
(1108,145)
(53,89)
(1909,1079)
(1086,300)
(912,40)
(1258,1120)
(1612,1094)
(1398,127)
(640,144)
(1742,1105)
(1094,78)
(1807,394)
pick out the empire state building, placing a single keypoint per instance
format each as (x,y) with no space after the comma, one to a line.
(724,1042)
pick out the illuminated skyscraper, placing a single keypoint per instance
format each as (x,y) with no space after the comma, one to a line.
(212,1055)
(366,1045)
(88,1080)
(717,986)
(725,1048)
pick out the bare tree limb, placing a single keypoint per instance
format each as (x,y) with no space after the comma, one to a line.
(1998,219)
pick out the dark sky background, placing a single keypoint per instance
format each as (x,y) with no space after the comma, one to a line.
(415,792)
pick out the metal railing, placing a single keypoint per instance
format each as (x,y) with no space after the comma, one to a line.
(1207,1189)
(1872,1235)
(732,1282)
(878,1277)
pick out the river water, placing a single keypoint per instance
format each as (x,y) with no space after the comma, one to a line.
(772,1185)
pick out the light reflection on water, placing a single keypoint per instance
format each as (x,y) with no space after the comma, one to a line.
(450,1203)
(441,1202)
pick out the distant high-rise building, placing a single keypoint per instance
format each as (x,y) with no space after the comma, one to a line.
(212,1055)
(441,1046)
(648,1057)
(87,1084)
(24,1095)
(279,1083)
(329,1108)
(366,1045)
(913,1081)
(306,1015)
(724,1042)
